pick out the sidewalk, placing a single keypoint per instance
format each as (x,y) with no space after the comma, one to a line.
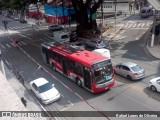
(155,50)
(11,92)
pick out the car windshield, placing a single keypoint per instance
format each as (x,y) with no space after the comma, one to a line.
(143,11)
(136,68)
(45,87)
(103,71)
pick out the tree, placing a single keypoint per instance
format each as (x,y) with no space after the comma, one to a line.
(86,14)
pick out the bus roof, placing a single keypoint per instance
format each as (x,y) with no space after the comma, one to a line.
(81,56)
(87,57)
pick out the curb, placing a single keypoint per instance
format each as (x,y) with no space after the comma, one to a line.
(146,42)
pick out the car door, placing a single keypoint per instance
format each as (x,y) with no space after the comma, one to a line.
(35,89)
(125,71)
(118,69)
(158,85)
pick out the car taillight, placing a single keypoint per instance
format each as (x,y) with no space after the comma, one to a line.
(135,74)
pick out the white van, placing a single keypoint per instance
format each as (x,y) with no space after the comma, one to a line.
(103,52)
(61,36)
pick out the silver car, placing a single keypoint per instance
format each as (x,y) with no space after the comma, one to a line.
(55,27)
(130,70)
(96,43)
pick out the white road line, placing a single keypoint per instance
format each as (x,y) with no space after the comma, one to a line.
(139,24)
(11,28)
(19,44)
(2,46)
(126,25)
(143,57)
(134,25)
(8,46)
(62,95)
(24,36)
(130,25)
(24,43)
(13,44)
(70,102)
(7,62)
(143,24)
(140,28)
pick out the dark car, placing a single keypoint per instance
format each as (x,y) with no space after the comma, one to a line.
(73,36)
(97,43)
(22,21)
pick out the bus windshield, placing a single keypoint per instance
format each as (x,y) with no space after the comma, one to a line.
(103,71)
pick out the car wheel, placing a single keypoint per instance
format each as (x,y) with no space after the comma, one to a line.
(153,88)
(79,83)
(53,67)
(129,77)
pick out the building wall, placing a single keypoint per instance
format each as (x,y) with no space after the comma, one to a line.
(110,7)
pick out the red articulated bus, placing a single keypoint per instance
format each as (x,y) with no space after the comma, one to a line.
(90,70)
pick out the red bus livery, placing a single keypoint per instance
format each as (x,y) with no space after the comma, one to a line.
(90,70)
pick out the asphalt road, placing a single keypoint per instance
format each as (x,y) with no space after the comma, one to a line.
(124,96)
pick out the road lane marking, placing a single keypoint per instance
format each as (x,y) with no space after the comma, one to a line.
(134,25)
(70,102)
(13,44)
(2,46)
(24,43)
(8,46)
(25,36)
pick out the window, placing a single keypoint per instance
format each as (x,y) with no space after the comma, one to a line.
(71,65)
(125,68)
(78,69)
(34,86)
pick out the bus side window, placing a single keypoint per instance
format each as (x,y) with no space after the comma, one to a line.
(71,65)
(78,69)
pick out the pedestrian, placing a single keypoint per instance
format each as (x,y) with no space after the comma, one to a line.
(24,101)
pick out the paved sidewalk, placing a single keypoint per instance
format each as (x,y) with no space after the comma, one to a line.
(155,50)
(11,92)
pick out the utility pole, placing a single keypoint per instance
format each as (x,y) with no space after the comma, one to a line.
(153,31)
(115,14)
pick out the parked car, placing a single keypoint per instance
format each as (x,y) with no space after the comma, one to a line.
(55,27)
(44,90)
(73,36)
(130,70)
(78,45)
(16,18)
(22,21)
(97,43)
(154,84)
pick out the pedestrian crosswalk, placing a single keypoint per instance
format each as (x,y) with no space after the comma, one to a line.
(16,27)
(11,45)
(136,24)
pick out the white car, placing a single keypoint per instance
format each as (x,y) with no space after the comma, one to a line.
(55,27)
(44,90)
(103,52)
(154,84)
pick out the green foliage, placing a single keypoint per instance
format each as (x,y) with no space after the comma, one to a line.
(12,4)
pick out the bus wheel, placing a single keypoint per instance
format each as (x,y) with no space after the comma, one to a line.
(53,67)
(79,83)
